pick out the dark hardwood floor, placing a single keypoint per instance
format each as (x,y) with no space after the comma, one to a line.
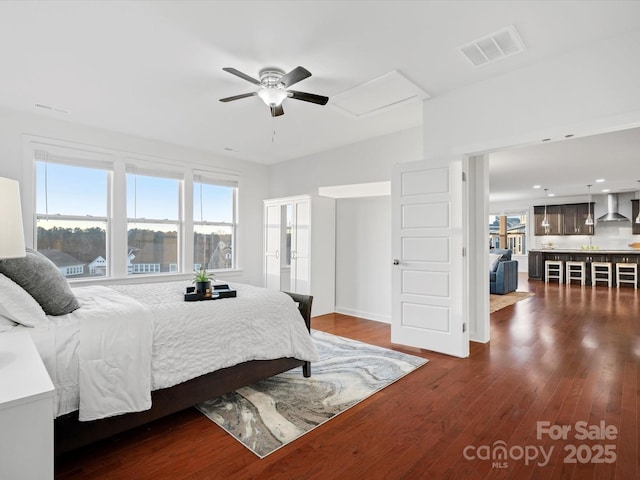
(567,355)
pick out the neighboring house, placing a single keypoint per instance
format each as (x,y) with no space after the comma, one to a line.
(516,234)
(98,266)
(69,266)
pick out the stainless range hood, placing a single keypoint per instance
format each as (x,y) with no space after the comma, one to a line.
(612,214)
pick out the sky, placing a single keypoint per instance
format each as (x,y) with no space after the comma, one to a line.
(70,190)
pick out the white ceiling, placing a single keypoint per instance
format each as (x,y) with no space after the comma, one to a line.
(566,167)
(154,69)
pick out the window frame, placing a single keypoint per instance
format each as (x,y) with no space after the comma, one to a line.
(209,178)
(58,158)
(133,169)
(522,241)
(117,163)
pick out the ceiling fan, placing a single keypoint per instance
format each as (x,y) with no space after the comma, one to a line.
(274,85)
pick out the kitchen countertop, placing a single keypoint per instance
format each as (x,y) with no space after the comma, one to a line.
(628,251)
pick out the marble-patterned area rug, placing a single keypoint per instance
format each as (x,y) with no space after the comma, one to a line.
(273,412)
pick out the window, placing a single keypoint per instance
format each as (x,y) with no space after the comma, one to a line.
(72,233)
(153,223)
(508,231)
(214,225)
(103,213)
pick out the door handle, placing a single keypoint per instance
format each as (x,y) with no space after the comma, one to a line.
(396,261)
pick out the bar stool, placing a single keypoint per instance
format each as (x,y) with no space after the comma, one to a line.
(576,271)
(627,273)
(601,272)
(553,269)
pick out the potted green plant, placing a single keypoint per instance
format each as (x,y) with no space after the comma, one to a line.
(202,279)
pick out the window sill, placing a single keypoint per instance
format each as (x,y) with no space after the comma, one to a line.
(151,278)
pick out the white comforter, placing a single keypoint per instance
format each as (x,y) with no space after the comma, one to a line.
(99,356)
(189,338)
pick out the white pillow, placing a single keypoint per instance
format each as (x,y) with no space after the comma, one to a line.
(6,324)
(494,258)
(17,305)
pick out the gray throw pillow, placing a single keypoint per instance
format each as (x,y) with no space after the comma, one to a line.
(43,281)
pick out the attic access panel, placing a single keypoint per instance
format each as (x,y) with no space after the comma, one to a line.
(378,95)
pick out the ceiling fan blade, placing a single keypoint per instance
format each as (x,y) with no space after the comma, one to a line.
(238,97)
(309,97)
(294,76)
(244,76)
(277,110)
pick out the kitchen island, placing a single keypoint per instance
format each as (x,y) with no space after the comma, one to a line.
(538,257)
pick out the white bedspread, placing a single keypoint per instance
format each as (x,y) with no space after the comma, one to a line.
(99,356)
(189,338)
(194,338)
(114,355)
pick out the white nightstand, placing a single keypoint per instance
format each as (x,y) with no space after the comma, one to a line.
(26,410)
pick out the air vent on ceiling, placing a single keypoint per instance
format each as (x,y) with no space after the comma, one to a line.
(493,47)
(378,95)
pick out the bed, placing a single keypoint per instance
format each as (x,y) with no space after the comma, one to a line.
(108,380)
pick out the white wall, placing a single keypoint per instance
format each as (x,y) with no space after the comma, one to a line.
(363,261)
(253,177)
(363,225)
(587,91)
(363,162)
(591,90)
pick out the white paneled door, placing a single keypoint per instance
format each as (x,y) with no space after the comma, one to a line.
(427,248)
(301,247)
(272,235)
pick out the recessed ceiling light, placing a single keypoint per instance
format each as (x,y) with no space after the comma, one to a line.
(536,186)
(600,180)
(605,190)
(552,194)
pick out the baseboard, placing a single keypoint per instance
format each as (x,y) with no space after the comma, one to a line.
(366,315)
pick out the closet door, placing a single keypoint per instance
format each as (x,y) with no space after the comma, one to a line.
(301,247)
(272,221)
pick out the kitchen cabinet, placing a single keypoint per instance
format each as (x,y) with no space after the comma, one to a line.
(538,257)
(574,216)
(565,219)
(554,215)
(299,248)
(536,265)
(635,209)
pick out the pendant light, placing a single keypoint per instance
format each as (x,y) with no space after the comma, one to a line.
(589,220)
(638,217)
(545,220)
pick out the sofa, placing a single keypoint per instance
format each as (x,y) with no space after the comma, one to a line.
(503,272)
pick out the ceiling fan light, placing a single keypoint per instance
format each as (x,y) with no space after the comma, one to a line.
(272,97)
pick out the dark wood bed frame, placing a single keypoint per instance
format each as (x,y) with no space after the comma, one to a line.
(70,433)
